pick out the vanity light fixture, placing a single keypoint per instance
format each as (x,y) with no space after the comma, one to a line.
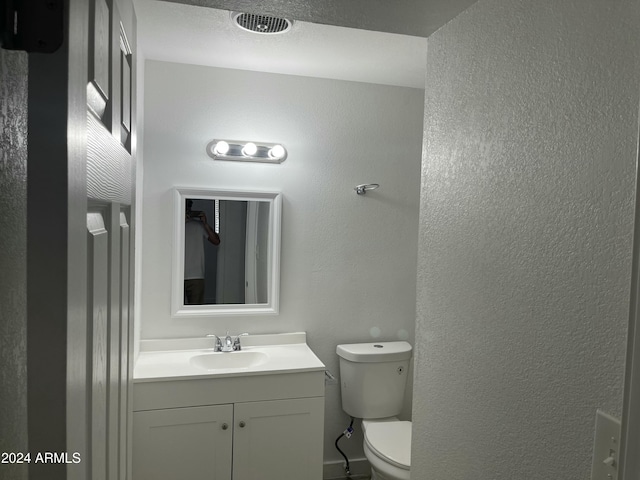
(246,151)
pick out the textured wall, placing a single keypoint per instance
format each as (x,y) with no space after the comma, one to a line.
(525,236)
(13,262)
(348,261)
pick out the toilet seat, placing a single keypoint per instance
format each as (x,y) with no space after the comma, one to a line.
(390,441)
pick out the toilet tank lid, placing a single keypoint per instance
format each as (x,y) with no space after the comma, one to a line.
(375,352)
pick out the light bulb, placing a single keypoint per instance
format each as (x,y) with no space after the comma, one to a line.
(222,147)
(250,149)
(277,151)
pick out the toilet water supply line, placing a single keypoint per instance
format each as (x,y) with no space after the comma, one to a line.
(347,433)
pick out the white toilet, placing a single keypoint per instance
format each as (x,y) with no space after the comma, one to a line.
(373,377)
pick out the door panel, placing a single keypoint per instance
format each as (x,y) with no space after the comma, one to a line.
(99,86)
(115,383)
(108,279)
(123,401)
(278,440)
(98,333)
(183,443)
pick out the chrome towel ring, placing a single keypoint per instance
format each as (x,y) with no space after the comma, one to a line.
(365,187)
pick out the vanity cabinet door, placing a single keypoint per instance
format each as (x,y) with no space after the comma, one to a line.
(183,443)
(278,440)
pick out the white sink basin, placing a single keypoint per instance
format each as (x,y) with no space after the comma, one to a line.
(226,360)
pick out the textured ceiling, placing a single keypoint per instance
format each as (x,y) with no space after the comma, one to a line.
(173,32)
(408,17)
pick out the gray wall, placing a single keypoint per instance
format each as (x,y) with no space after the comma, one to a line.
(13,262)
(525,236)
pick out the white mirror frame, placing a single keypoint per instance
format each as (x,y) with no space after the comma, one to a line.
(178,308)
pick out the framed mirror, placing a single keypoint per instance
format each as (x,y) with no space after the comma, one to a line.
(226,252)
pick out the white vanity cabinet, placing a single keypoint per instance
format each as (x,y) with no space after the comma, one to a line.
(256,427)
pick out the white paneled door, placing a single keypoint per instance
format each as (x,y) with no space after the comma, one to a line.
(80,227)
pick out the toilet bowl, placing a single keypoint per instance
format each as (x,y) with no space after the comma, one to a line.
(387,446)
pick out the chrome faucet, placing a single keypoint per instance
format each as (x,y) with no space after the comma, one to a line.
(228,343)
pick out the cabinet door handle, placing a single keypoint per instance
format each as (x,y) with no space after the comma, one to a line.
(225,426)
(242,424)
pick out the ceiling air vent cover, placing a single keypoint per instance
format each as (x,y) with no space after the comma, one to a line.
(263,24)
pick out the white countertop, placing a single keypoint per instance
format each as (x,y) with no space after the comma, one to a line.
(165,360)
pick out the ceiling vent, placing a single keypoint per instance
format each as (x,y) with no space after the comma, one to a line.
(263,24)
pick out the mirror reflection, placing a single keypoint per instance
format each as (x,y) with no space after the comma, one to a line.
(226,245)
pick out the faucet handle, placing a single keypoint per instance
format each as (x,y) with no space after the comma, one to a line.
(236,342)
(217,343)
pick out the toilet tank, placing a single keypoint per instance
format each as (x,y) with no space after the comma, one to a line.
(373,377)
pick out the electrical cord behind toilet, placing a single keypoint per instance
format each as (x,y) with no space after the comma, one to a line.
(347,433)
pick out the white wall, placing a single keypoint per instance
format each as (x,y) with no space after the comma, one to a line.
(526,218)
(348,261)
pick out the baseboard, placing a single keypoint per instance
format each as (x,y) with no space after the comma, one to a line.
(359,468)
